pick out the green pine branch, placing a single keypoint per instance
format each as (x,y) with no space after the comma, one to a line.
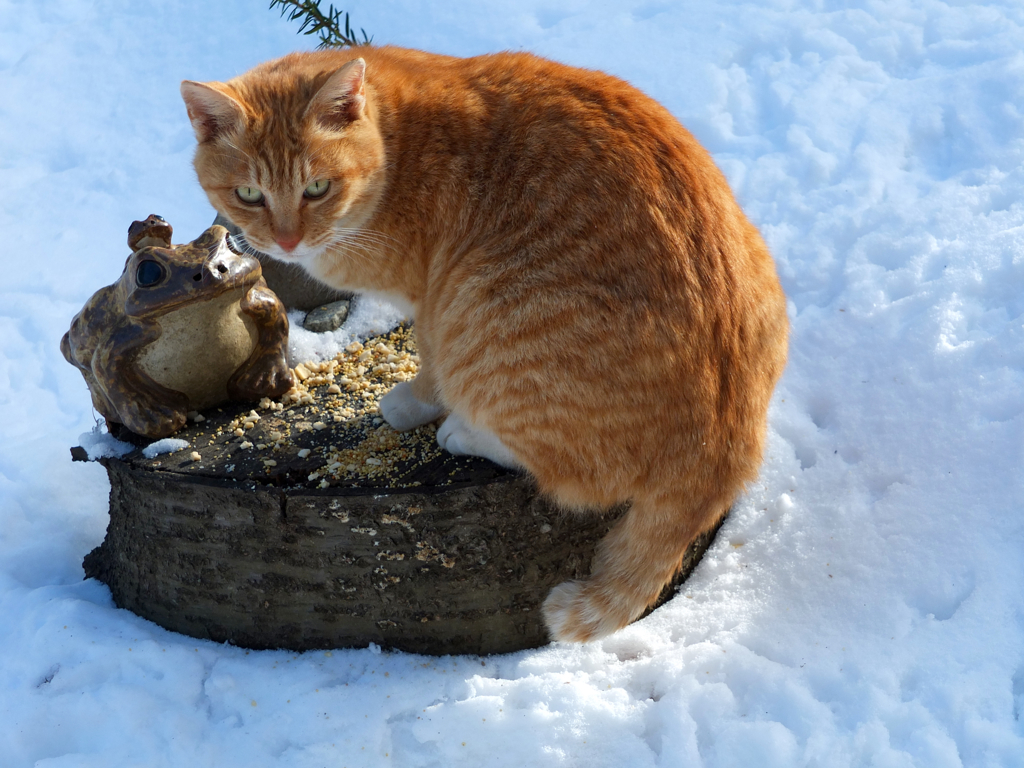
(315,22)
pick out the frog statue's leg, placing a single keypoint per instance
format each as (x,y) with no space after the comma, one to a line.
(145,407)
(79,345)
(266,372)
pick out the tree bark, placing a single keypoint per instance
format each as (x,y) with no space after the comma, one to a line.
(441,571)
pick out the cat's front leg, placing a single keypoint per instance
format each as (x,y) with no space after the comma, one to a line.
(460,437)
(411,404)
(404,411)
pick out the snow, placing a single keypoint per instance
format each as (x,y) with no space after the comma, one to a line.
(368,316)
(864,604)
(159,447)
(99,444)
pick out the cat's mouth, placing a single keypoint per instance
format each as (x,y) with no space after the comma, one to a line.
(301,252)
(298,254)
(241,244)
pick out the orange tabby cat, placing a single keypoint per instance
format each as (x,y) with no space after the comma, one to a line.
(590,302)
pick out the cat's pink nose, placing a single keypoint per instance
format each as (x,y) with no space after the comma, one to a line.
(288,243)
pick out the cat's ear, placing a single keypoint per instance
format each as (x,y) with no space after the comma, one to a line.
(342,99)
(211,110)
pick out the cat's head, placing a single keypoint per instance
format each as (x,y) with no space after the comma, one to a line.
(290,155)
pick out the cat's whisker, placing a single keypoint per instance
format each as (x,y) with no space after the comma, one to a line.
(364,244)
(224,155)
(245,246)
(236,148)
(354,251)
(349,247)
(361,231)
(368,235)
(316,154)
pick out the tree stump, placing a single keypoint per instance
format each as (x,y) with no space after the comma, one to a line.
(273,546)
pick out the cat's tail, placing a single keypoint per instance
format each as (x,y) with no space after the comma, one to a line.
(633,563)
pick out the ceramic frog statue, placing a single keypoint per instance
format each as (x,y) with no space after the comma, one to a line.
(184,328)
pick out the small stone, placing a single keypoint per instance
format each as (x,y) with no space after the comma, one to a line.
(329,317)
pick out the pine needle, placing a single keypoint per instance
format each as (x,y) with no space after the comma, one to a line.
(328,27)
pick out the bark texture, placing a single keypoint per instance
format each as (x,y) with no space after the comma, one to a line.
(439,570)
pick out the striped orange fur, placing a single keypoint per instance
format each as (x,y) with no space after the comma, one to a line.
(590,302)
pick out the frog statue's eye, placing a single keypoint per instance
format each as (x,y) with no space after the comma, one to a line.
(249,195)
(317,189)
(148,274)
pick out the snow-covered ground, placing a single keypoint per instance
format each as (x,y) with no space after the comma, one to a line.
(864,605)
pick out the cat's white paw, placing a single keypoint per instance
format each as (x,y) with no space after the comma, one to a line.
(403,410)
(458,436)
(579,611)
(452,437)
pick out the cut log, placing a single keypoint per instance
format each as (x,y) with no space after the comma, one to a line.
(268,547)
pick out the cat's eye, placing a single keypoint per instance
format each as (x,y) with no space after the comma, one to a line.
(148,274)
(249,195)
(317,189)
